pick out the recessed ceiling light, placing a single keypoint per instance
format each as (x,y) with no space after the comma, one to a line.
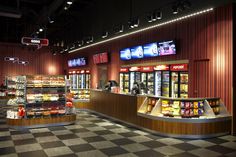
(69,2)
(40,29)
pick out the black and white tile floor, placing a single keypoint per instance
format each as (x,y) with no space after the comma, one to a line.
(96,136)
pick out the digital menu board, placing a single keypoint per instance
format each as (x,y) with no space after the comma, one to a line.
(136,52)
(166,48)
(150,50)
(125,54)
(77,62)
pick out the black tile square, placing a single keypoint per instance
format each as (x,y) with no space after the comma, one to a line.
(185,146)
(149,153)
(153,144)
(97,121)
(129,134)
(20,132)
(111,127)
(216,140)
(4,129)
(79,130)
(25,141)
(123,141)
(94,139)
(52,144)
(82,148)
(55,128)
(43,134)
(67,136)
(103,132)
(67,155)
(220,149)
(5,138)
(7,150)
(185,154)
(114,151)
(37,153)
(88,125)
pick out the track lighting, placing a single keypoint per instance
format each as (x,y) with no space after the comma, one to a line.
(89,39)
(118,29)
(133,23)
(50,20)
(174,9)
(159,15)
(104,34)
(40,29)
(80,43)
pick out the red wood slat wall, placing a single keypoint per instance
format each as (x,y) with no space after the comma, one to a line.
(205,40)
(40,61)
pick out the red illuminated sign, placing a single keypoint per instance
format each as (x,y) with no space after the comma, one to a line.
(162,67)
(179,67)
(34,41)
(146,69)
(100,58)
(134,69)
(124,69)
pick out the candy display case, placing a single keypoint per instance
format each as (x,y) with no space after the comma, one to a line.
(42,100)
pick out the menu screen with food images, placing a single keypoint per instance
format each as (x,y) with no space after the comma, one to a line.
(125,54)
(136,52)
(166,48)
(150,50)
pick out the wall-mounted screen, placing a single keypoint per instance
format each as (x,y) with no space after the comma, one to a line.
(166,48)
(125,54)
(77,62)
(100,58)
(150,50)
(136,52)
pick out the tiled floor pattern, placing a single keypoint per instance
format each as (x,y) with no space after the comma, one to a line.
(95,136)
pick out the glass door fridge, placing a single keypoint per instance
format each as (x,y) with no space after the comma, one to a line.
(174,84)
(183,84)
(87,79)
(147,77)
(165,83)
(135,76)
(179,80)
(73,77)
(124,80)
(162,80)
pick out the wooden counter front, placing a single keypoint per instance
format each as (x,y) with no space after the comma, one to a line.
(124,108)
(41,122)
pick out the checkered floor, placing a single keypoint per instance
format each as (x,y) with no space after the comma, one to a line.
(96,136)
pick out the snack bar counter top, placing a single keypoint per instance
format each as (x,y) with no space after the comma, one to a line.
(175,117)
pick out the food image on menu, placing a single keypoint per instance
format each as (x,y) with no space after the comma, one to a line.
(136,52)
(125,54)
(167,48)
(150,50)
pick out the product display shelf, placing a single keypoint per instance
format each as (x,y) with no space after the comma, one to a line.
(192,110)
(44,98)
(82,95)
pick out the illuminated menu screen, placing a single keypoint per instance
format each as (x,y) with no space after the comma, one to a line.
(77,62)
(100,58)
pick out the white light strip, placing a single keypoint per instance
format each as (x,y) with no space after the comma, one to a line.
(144,29)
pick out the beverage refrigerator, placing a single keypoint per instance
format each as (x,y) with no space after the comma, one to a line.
(179,80)
(135,76)
(83,79)
(162,80)
(73,77)
(124,80)
(147,77)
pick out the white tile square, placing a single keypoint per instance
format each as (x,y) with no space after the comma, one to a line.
(168,150)
(86,134)
(92,153)
(39,130)
(119,130)
(204,152)
(22,136)
(140,139)
(170,141)
(112,136)
(28,148)
(97,128)
(103,144)
(4,133)
(136,147)
(201,143)
(47,139)
(62,132)
(58,151)
(76,141)
(4,144)
(231,145)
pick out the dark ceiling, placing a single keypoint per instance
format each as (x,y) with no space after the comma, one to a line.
(83,18)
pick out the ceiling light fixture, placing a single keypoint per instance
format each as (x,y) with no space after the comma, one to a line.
(69,2)
(159,15)
(104,34)
(50,20)
(40,29)
(145,29)
(174,9)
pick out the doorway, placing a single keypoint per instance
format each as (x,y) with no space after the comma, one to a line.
(102,76)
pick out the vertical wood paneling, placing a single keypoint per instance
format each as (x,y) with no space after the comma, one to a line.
(234,72)
(205,40)
(40,61)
